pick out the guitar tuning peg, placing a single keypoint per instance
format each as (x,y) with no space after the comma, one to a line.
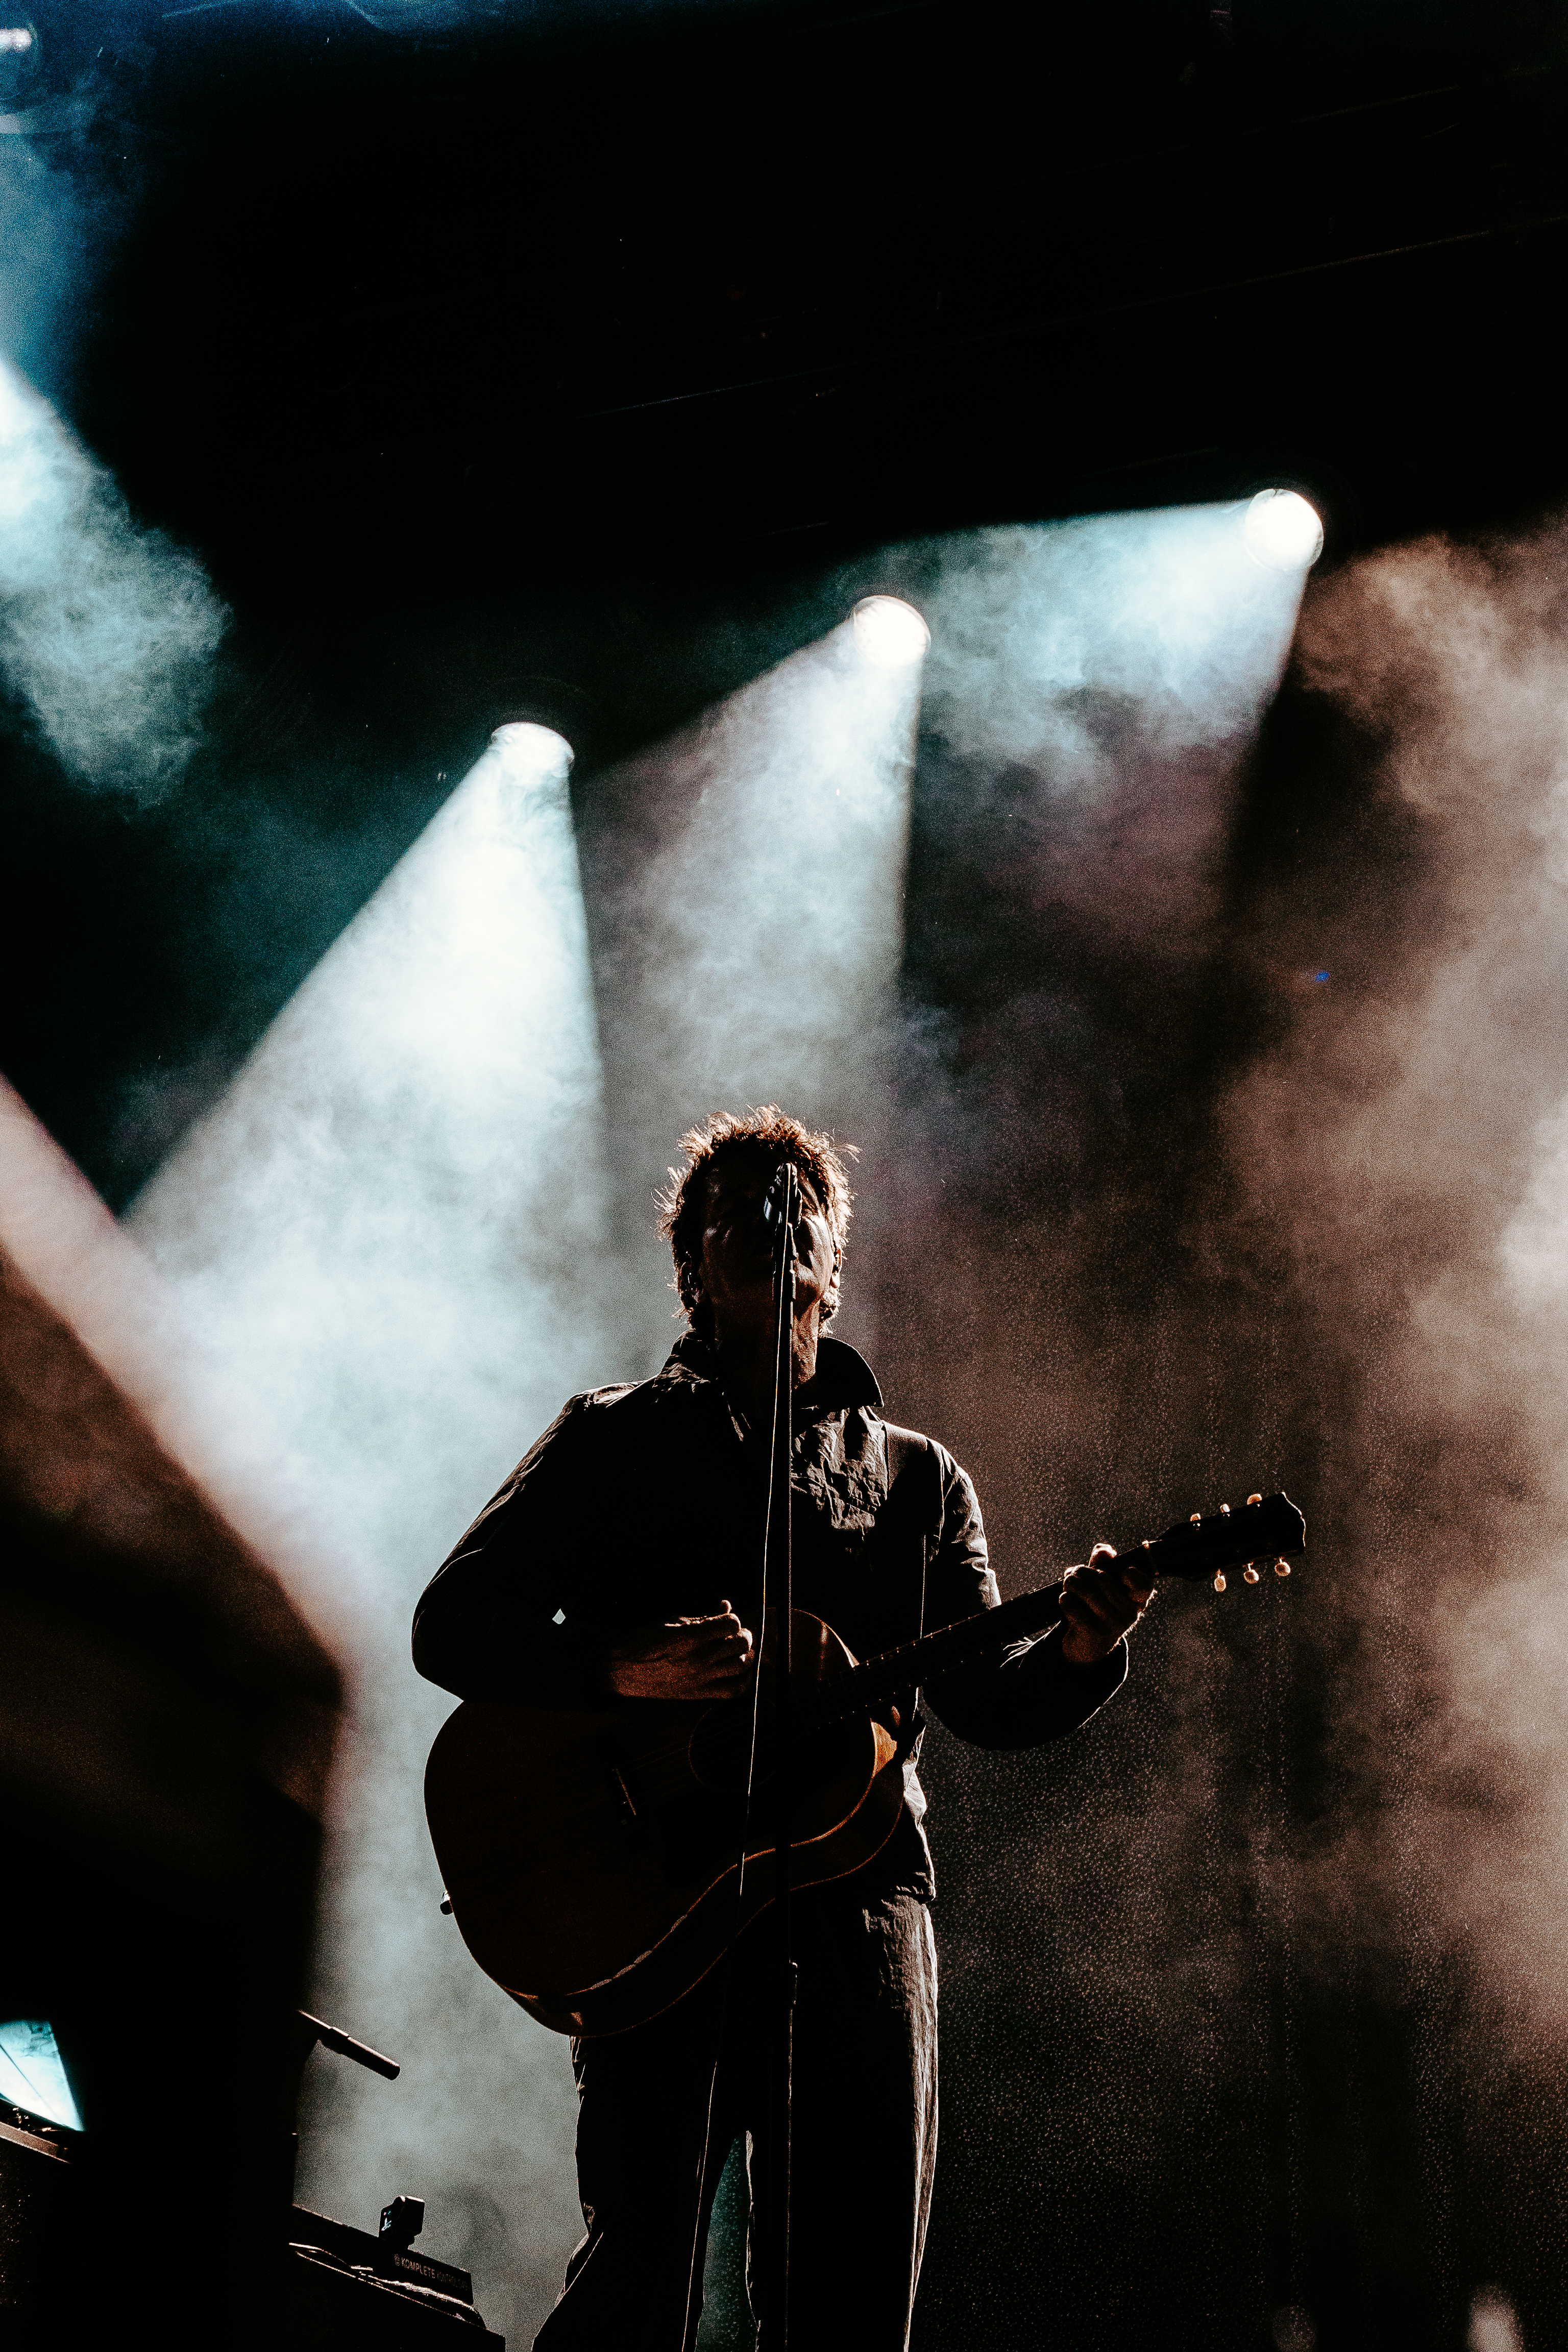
(1224,1510)
(1219,1579)
(1196,1520)
(1281,1568)
(1250,1573)
(1253,1498)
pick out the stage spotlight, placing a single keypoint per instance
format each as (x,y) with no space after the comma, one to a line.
(890,633)
(21,53)
(530,756)
(1283,532)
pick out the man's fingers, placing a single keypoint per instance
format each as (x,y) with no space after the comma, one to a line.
(698,1634)
(1083,1606)
(690,1658)
(1126,1570)
(720,1655)
(737,1643)
(1096,1596)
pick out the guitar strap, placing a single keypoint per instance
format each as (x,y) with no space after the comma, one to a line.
(913,1525)
(915,1499)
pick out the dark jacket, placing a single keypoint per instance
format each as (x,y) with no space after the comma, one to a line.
(647,1502)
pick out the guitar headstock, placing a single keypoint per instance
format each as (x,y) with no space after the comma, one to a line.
(1260,1533)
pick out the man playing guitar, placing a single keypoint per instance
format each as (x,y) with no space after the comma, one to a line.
(620,1564)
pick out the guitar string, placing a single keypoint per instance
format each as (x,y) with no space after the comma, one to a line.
(840,1702)
(892,1668)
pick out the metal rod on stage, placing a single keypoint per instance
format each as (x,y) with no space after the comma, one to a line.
(333,2038)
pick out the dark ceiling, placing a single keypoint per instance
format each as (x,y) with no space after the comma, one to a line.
(584,280)
(582,358)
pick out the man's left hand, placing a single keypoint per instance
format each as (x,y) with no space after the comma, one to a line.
(1100,1602)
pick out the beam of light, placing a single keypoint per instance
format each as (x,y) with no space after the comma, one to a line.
(107,631)
(390,1228)
(1104,677)
(748,951)
(1283,532)
(1160,612)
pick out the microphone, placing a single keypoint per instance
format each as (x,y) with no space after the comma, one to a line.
(781,1201)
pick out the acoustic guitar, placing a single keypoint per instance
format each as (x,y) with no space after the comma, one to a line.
(591,1857)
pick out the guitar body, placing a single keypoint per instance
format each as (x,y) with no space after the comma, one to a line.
(592,1856)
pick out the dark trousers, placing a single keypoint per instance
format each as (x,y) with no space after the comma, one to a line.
(864,2139)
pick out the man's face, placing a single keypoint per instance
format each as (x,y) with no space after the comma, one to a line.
(736,1264)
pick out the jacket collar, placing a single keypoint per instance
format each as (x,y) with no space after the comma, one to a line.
(844,1377)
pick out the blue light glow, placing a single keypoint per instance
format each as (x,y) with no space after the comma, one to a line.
(32,2076)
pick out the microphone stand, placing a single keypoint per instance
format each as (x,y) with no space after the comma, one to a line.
(778,1598)
(781,1205)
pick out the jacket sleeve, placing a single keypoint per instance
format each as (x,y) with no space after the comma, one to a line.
(1027,1698)
(507,1615)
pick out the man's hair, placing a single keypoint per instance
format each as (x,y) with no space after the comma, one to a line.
(765,1135)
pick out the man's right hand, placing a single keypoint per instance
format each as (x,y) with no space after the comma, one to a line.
(695,1658)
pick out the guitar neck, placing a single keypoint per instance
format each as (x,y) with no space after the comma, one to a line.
(969,1642)
(1194,1548)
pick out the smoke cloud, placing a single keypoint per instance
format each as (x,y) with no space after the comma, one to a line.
(107,631)
(1419,1155)
(1240,1163)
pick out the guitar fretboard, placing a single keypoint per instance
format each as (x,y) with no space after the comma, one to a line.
(1192,1547)
(969,1642)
